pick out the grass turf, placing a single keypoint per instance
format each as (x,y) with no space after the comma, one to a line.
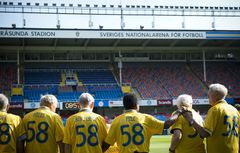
(160,144)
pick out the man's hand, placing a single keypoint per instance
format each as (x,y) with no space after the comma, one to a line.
(187,114)
(175,115)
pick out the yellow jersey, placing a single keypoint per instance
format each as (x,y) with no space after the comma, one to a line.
(113,149)
(222,122)
(43,129)
(9,132)
(85,132)
(133,130)
(191,142)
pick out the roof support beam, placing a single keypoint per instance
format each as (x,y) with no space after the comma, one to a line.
(174,43)
(23,43)
(116,43)
(146,42)
(55,42)
(202,43)
(86,43)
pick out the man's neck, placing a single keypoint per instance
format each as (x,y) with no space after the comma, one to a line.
(85,109)
(3,110)
(130,110)
(217,102)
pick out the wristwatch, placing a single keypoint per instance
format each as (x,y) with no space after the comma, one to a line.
(191,122)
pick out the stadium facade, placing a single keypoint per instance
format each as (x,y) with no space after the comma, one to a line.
(29,51)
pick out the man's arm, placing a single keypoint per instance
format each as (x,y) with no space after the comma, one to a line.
(105,146)
(20,146)
(67,148)
(176,137)
(201,130)
(171,120)
(61,146)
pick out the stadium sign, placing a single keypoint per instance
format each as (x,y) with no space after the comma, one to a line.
(119,103)
(115,103)
(164,102)
(16,105)
(74,105)
(101,34)
(70,106)
(31,105)
(148,102)
(195,102)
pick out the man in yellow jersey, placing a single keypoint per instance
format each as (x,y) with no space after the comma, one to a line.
(114,148)
(185,138)
(132,130)
(9,125)
(221,126)
(85,130)
(42,129)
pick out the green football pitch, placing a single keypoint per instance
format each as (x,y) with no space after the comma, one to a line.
(160,144)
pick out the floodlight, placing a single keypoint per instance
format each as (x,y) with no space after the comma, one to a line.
(14,25)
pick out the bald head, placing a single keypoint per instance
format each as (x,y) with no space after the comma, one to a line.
(49,101)
(3,102)
(217,91)
(85,100)
(184,101)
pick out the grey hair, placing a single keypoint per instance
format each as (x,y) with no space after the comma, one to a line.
(3,102)
(47,100)
(219,91)
(184,100)
(85,99)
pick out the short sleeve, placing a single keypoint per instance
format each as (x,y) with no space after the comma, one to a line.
(18,125)
(59,131)
(177,125)
(155,126)
(238,122)
(210,122)
(21,131)
(112,134)
(103,129)
(67,134)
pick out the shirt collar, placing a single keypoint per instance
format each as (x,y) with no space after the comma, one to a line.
(3,111)
(220,102)
(85,110)
(44,107)
(130,111)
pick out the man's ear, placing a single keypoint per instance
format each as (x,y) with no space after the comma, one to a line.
(8,106)
(91,105)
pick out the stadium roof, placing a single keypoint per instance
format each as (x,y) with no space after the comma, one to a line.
(60,40)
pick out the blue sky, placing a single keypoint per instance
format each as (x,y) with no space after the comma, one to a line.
(131,22)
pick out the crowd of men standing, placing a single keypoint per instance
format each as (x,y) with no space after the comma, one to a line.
(42,130)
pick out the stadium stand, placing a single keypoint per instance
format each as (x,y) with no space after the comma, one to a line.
(226,73)
(96,76)
(162,80)
(105,91)
(8,76)
(33,92)
(152,80)
(67,66)
(91,77)
(17,99)
(42,77)
(68,96)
